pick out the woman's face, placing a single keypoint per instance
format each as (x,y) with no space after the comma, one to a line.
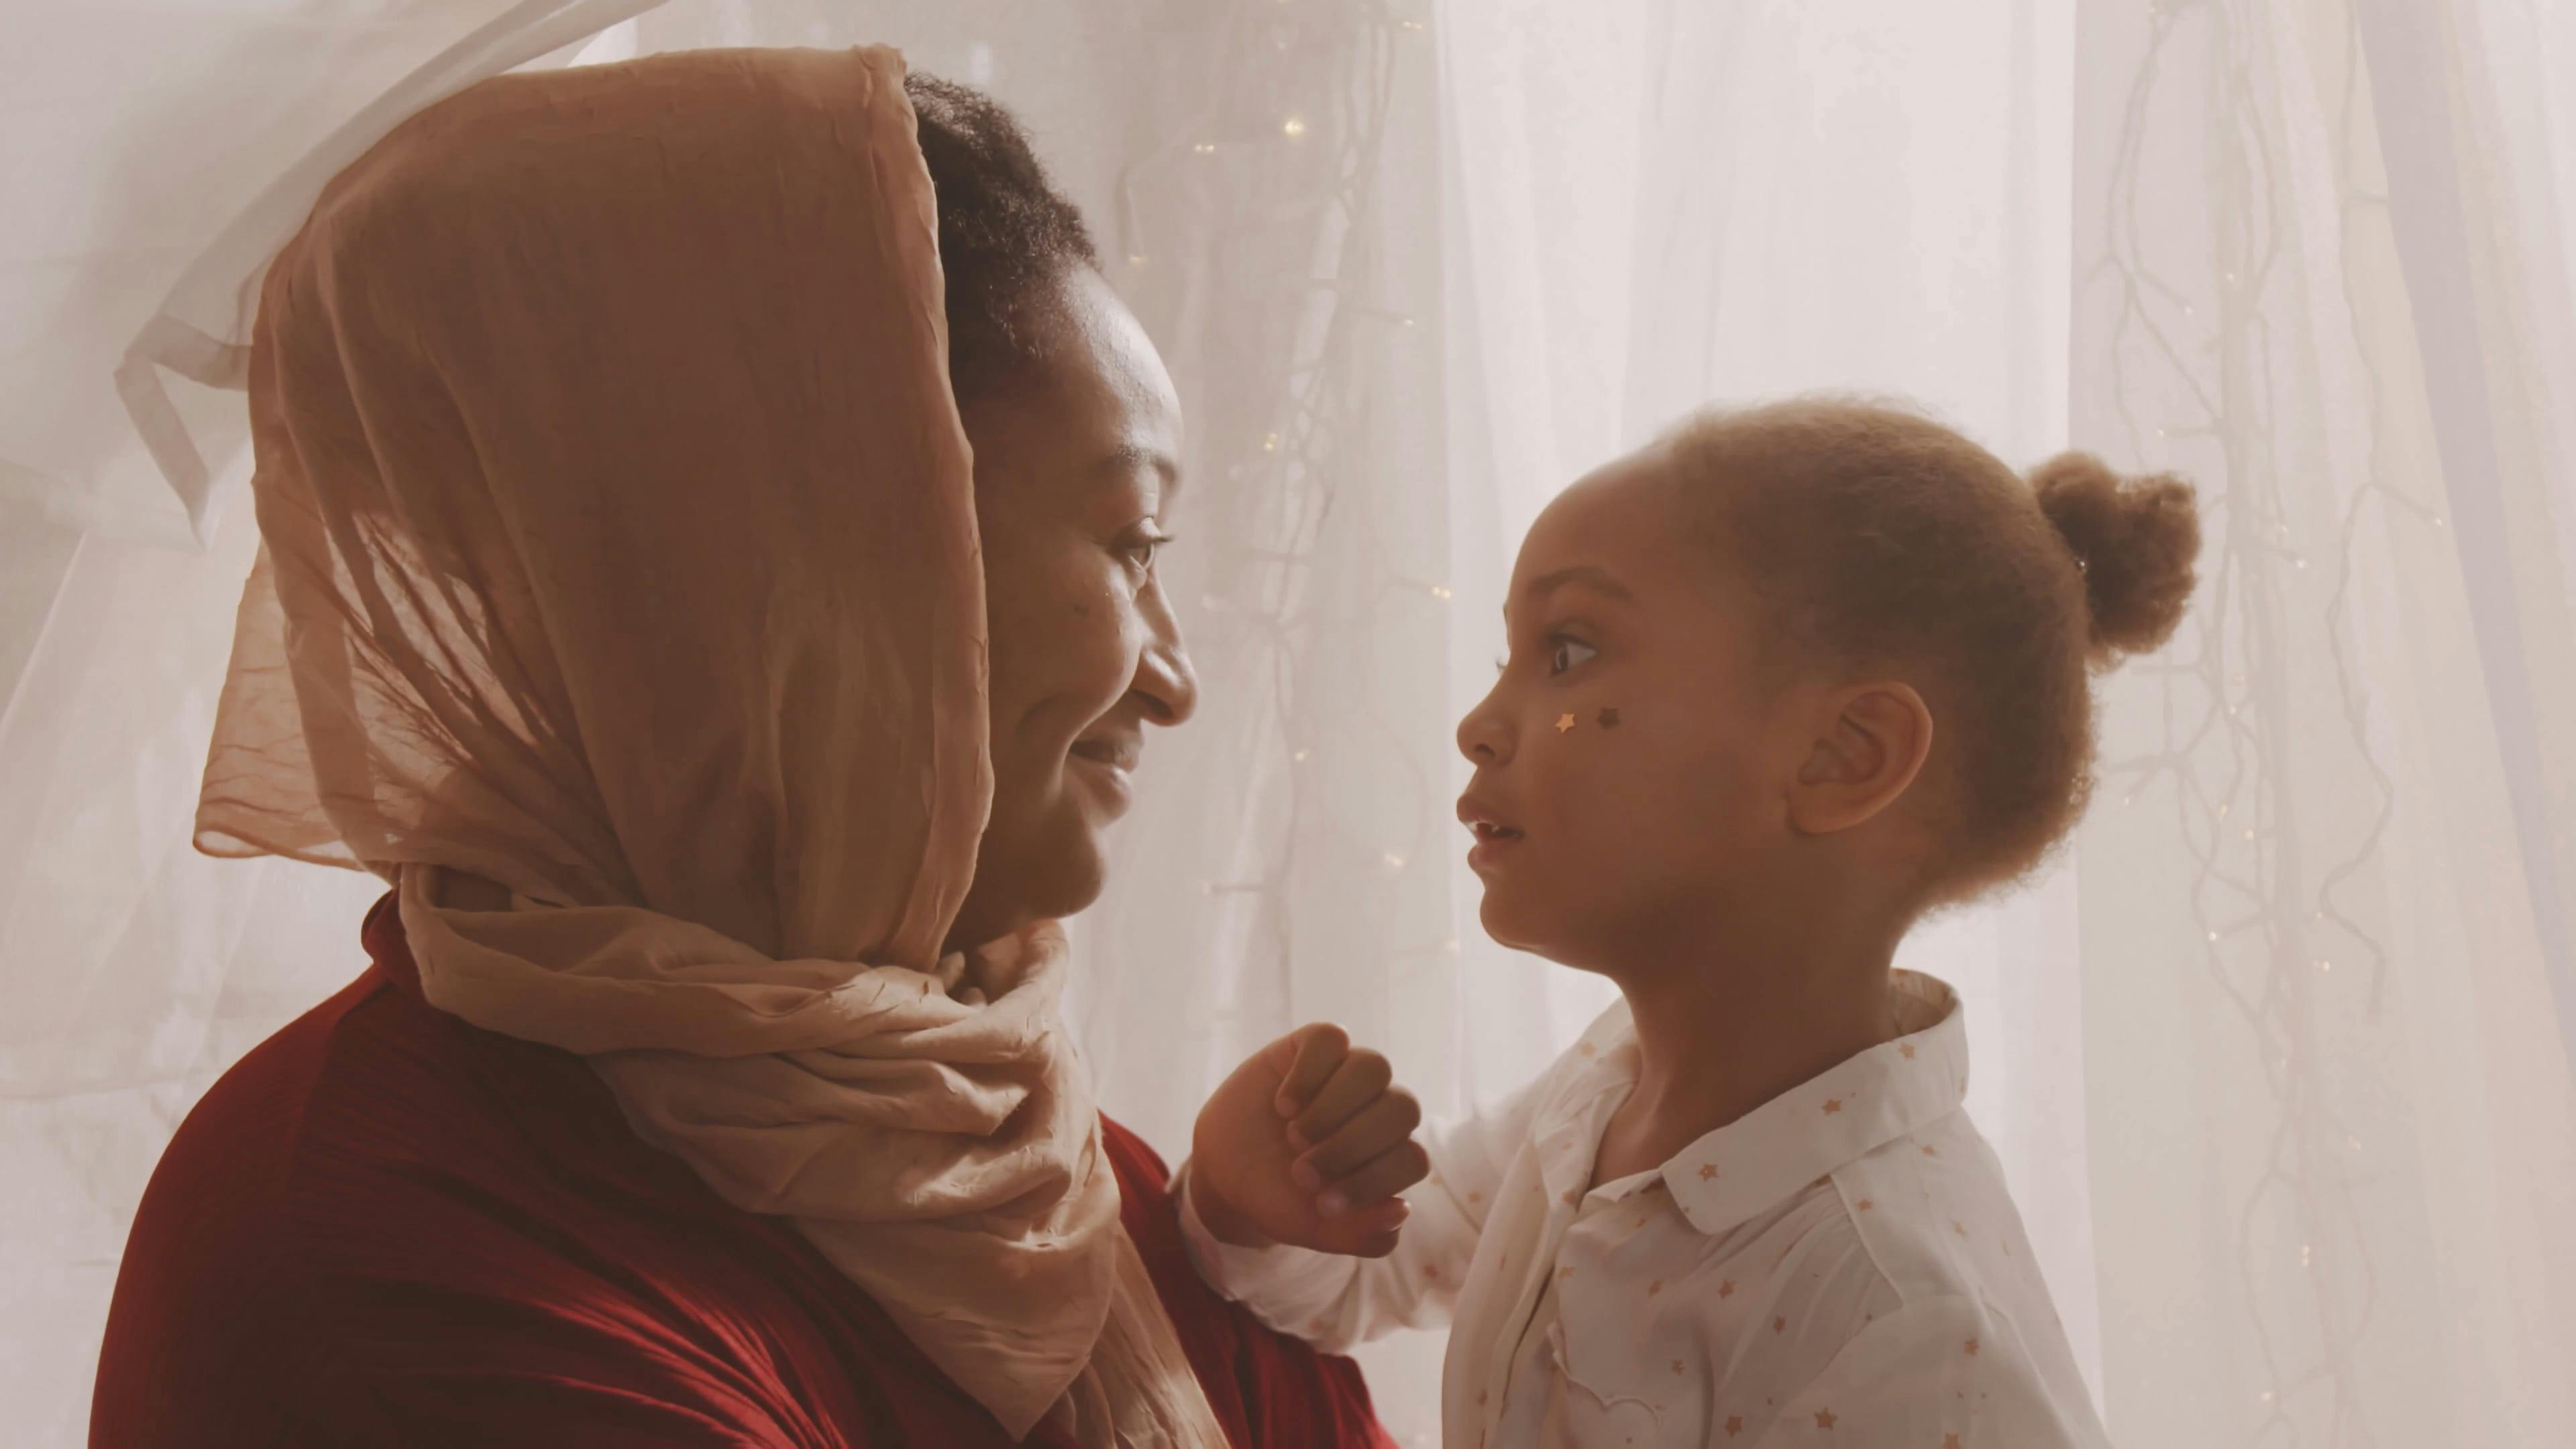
(1076,467)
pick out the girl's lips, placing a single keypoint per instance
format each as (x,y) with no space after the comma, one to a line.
(1490,853)
(1493,837)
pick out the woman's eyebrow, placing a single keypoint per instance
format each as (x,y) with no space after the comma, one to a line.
(1128,457)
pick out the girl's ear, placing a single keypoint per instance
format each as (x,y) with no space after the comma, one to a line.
(1870,743)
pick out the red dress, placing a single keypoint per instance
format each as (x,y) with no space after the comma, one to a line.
(386,1226)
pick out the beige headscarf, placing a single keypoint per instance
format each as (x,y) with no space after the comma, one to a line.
(620,552)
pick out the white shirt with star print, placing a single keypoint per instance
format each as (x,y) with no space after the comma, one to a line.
(1841,1266)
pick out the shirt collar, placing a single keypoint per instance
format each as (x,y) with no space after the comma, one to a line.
(1832,1120)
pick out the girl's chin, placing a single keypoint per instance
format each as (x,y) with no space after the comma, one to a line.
(1508,922)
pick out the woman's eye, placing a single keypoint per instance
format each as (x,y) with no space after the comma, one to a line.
(1565,658)
(1140,553)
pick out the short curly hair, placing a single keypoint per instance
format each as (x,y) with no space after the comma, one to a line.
(1006,235)
(1876,537)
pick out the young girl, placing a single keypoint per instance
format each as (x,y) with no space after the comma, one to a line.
(1779,686)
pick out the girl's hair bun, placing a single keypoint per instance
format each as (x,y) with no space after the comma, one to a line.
(2135,539)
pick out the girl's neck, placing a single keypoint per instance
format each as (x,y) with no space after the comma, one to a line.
(1725,1026)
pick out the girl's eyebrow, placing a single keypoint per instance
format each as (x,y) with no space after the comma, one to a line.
(1587,576)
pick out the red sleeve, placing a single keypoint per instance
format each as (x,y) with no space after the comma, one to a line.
(526,1370)
(321,1263)
(293,1330)
(1269,1390)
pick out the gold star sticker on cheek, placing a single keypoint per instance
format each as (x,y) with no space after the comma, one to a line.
(1564,722)
(1609,719)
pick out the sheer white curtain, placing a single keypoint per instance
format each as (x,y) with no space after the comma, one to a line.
(2325,898)
(1416,265)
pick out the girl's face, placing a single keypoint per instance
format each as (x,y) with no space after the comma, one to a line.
(1633,762)
(1074,482)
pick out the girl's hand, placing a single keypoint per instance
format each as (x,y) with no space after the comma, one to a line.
(1308,1143)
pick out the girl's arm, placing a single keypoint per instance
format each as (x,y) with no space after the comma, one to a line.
(1336,1301)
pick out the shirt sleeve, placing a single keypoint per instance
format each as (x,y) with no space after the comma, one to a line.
(1946,1373)
(488,1369)
(1337,1302)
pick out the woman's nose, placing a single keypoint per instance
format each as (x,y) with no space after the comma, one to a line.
(1164,674)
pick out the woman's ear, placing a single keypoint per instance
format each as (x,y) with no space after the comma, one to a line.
(1870,743)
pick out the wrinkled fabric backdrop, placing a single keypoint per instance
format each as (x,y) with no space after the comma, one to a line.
(2278,1055)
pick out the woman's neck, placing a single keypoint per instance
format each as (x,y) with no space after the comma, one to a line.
(1725,1025)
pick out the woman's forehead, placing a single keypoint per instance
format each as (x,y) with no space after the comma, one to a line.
(1118,360)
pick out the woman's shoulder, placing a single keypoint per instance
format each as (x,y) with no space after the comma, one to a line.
(383,1216)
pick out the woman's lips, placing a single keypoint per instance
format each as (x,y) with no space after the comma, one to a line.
(1111,764)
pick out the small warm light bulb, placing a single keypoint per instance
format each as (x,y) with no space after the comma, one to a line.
(1293,127)
(1439,591)
(1205,148)
(1394,861)
(1270,444)
(1299,757)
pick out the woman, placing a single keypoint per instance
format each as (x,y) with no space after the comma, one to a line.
(630,602)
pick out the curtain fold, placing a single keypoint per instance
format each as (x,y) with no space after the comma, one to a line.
(2321,906)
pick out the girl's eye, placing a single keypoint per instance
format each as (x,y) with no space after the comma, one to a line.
(1565,658)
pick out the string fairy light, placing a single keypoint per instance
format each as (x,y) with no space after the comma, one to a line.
(2227,702)
(1273,190)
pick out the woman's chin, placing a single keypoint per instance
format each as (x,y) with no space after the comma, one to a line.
(1068,874)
